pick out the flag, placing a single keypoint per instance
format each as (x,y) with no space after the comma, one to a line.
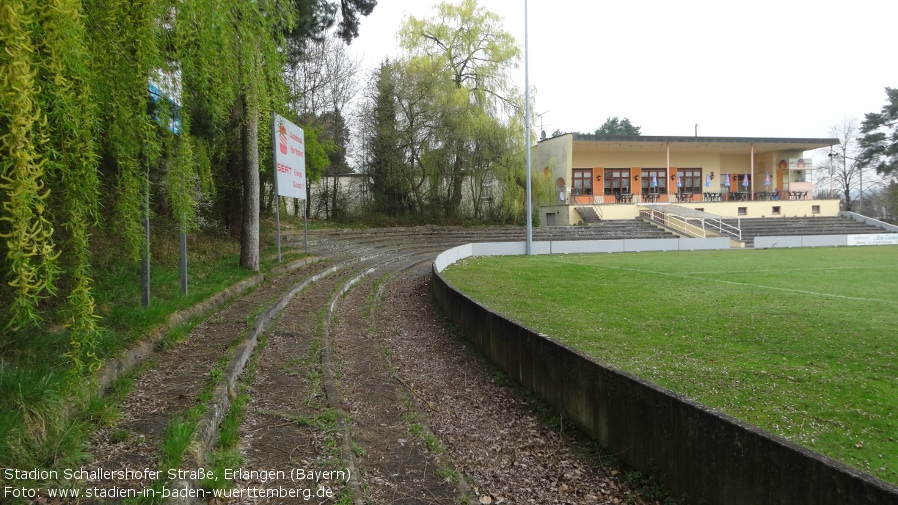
(654,180)
(679,181)
(708,180)
(745,181)
(767,179)
(726,182)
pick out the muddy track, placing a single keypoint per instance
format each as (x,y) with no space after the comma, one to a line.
(357,392)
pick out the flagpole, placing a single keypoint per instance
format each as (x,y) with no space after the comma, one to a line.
(527,135)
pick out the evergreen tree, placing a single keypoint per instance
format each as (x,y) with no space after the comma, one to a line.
(879,144)
(389,187)
(617,127)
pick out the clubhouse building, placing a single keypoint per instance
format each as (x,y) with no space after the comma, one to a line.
(725,176)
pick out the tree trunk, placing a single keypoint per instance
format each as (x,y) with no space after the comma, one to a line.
(457,182)
(335,213)
(249,233)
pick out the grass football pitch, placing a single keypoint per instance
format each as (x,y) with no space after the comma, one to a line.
(800,342)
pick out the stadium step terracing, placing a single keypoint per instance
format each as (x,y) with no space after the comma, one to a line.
(603,230)
(792,226)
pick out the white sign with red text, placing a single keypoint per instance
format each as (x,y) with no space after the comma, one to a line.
(289,158)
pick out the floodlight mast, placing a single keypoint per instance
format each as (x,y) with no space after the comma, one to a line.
(527,136)
(831,171)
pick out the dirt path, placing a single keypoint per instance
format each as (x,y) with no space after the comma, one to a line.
(360,393)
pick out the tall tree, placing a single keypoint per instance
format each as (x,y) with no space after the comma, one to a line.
(25,230)
(879,144)
(842,165)
(466,45)
(323,77)
(882,203)
(617,127)
(262,61)
(323,80)
(317,16)
(259,57)
(74,124)
(335,135)
(390,186)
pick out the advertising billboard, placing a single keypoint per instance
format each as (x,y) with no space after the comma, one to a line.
(289,158)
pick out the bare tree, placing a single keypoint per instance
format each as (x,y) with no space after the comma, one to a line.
(848,178)
(324,78)
(882,203)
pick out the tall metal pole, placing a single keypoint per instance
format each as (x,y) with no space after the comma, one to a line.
(145,264)
(831,171)
(277,203)
(527,135)
(183,239)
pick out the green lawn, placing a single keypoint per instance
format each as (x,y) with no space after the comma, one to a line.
(801,342)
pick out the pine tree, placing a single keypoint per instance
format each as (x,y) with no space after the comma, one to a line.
(879,144)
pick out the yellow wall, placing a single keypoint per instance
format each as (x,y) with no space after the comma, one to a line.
(765,208)
(787,208)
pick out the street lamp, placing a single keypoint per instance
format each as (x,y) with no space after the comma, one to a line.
(860,198)
(831,171)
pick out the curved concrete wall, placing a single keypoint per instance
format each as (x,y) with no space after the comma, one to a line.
(693,449)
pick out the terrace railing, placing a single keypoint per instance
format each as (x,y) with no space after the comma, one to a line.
(692,226)
(725,229)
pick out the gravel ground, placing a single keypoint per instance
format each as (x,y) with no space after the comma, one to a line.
(495,435)
(416,413)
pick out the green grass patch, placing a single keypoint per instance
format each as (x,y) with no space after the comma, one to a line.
(227,454)
(34,387)
(799,342)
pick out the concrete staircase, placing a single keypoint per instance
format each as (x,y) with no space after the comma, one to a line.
(589,215)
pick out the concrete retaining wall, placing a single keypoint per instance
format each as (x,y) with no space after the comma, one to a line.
(826,240)
(579,246)
(693,449)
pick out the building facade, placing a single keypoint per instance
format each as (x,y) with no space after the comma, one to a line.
(728,176)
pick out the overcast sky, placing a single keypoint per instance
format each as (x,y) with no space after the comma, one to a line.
(785,68)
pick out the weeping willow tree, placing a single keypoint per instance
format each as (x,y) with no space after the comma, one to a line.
(49,172)
(30,251)
(72,164)
(463,57)
(77,119)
